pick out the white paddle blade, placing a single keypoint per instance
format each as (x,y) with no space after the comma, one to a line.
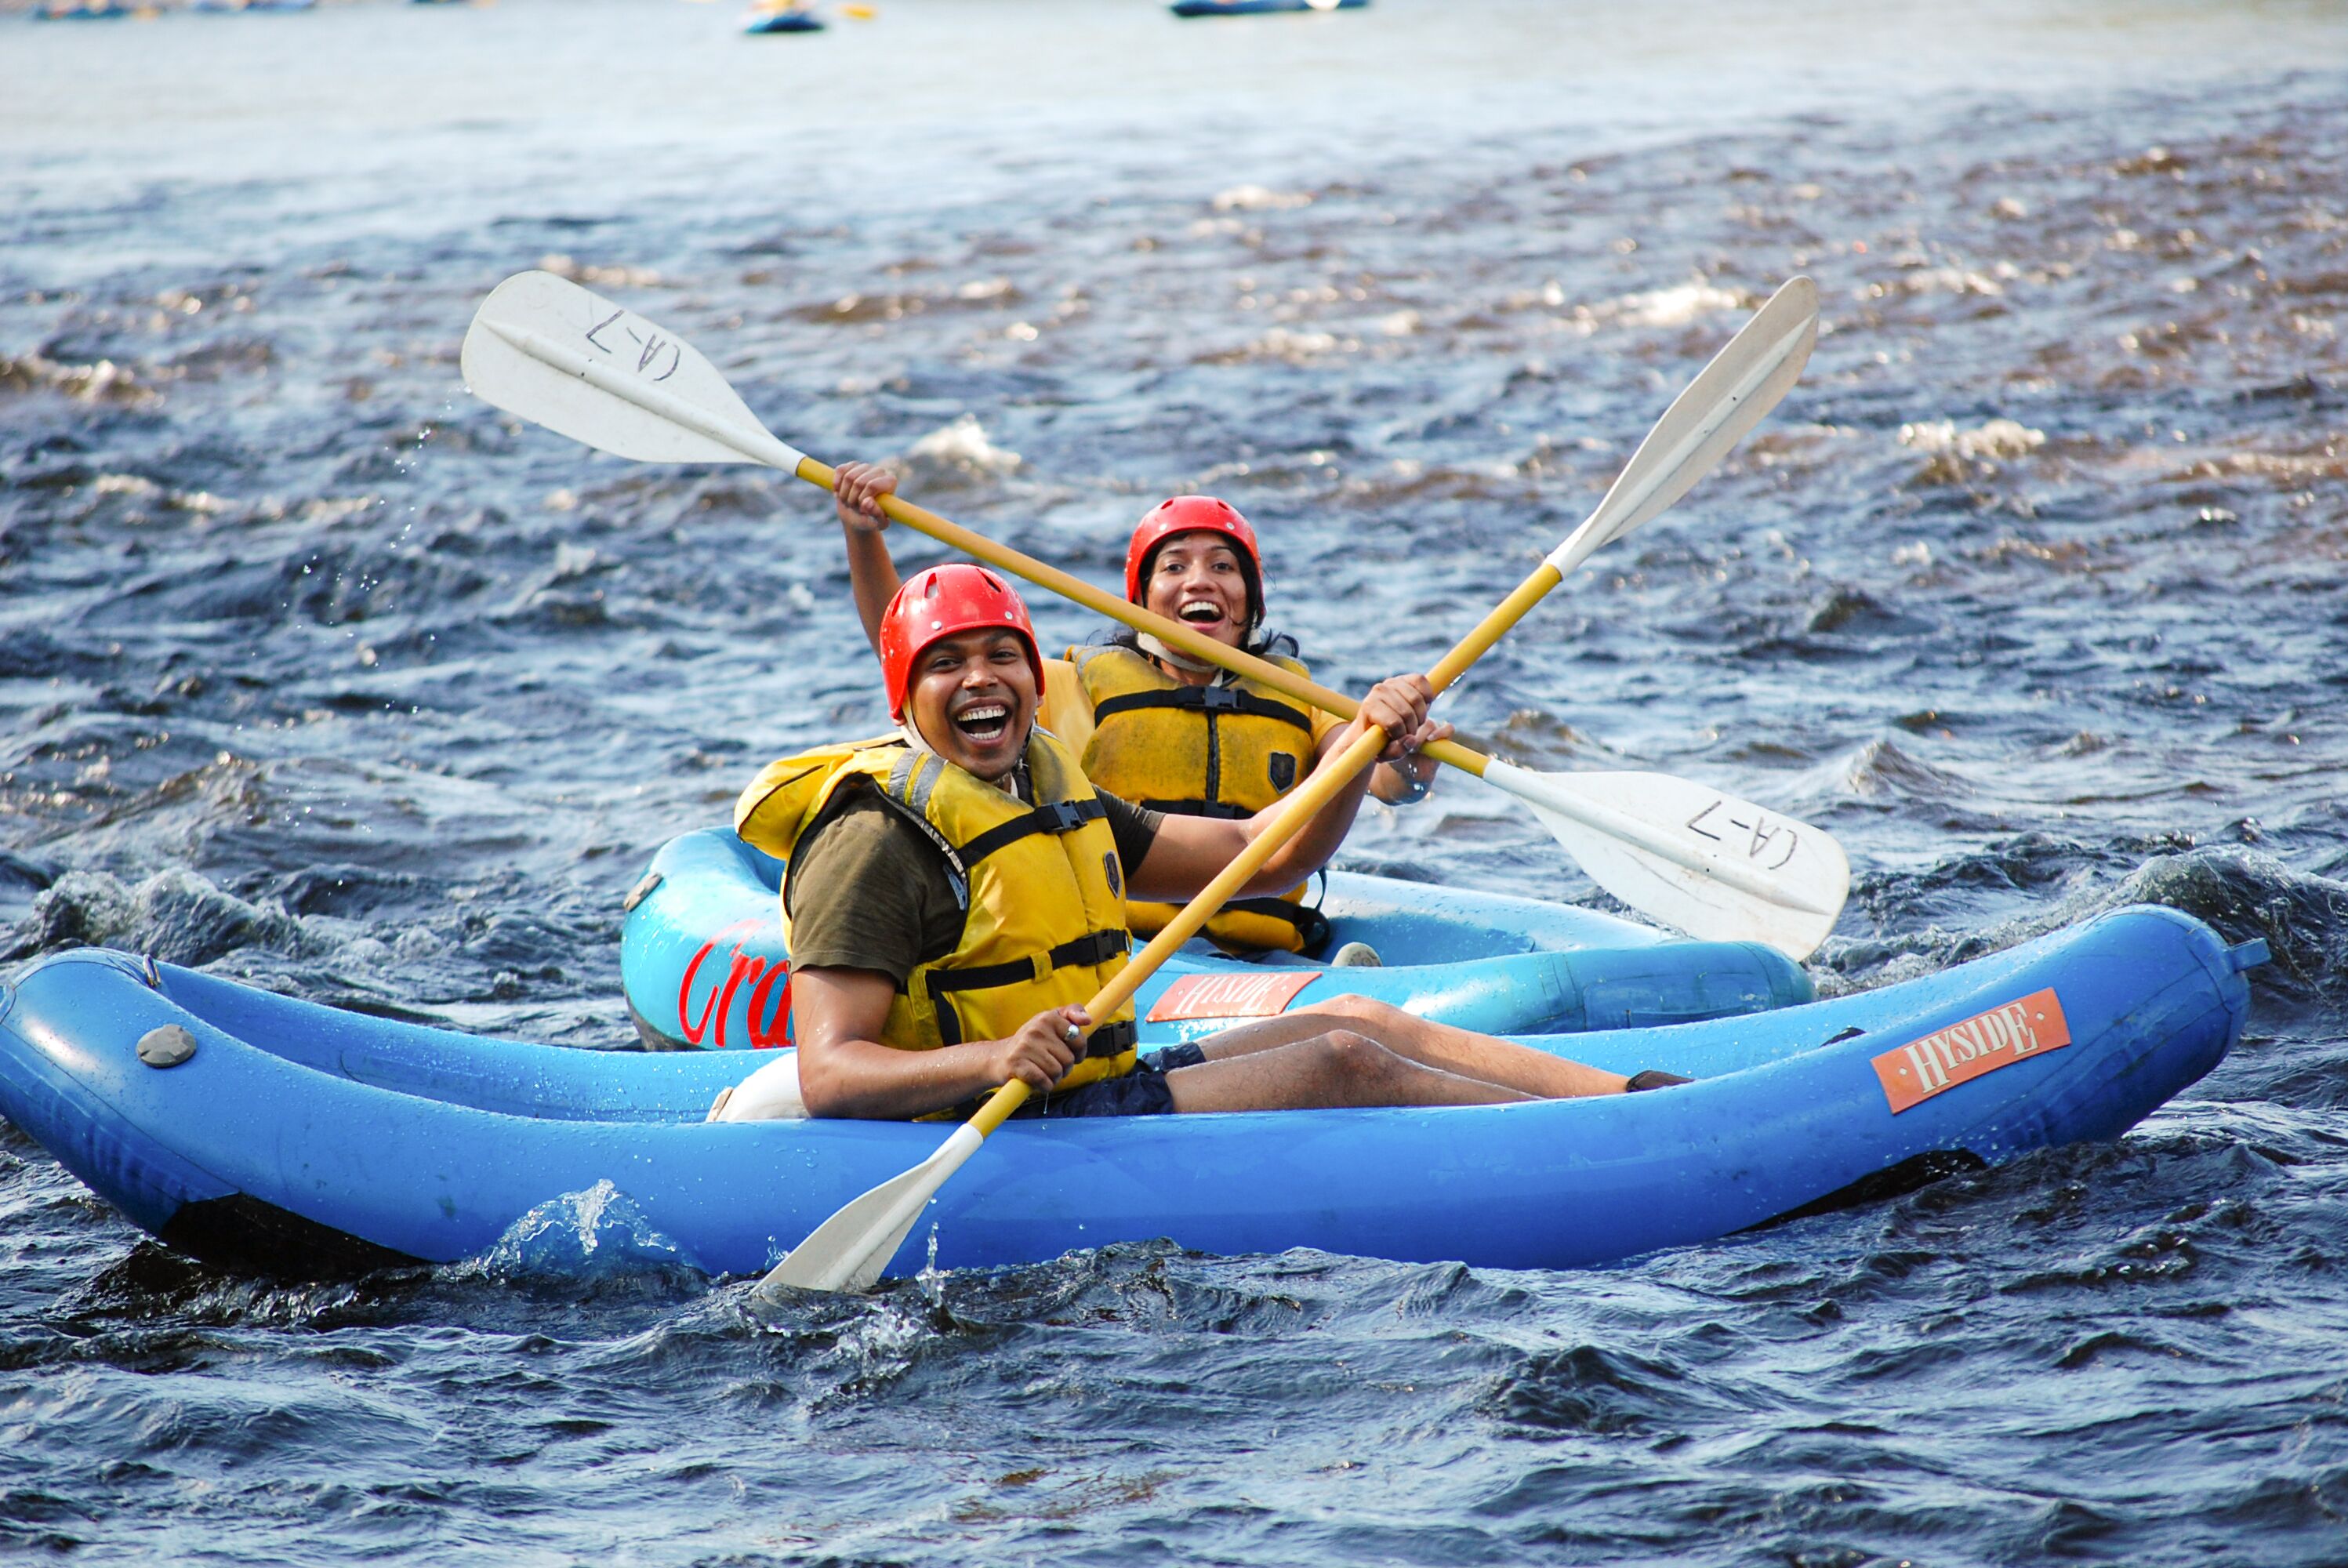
(565,358)
(1744,380)
(1713,866)
(849,1251)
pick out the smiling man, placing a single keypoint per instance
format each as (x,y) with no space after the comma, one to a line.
(956,892)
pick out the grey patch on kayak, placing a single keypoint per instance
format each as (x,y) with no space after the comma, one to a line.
(654,1037)
(1916,1172)
(245,1235)
(643,890)
(165,1047)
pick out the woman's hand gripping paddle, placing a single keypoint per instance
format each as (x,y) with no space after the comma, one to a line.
(850,1250)
(1707,864)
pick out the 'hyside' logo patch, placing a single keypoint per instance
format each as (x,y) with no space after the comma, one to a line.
(1262,995)
(1984,1043)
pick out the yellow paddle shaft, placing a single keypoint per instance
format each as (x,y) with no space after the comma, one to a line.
(1174,633)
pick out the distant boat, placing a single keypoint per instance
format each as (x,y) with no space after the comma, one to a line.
(786,17)
(85,11)
(1260,7)
(252,4)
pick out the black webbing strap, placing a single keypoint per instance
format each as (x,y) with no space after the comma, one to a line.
(978,977)
(1204,699)
(1093,947)
(1052,816)
(1223,810)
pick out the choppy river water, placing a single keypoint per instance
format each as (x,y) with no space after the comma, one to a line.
(318,674)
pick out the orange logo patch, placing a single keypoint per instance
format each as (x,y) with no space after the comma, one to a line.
(1231,995)
(1981,1044)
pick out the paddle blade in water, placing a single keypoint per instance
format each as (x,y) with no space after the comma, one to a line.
(567,358)
(1713,866)
(1743,383)
(849,1251)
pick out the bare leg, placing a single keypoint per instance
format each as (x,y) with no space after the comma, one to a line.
(1336,1068)
(1453,1051)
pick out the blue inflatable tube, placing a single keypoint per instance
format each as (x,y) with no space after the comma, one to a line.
(258,1133)
(704,963)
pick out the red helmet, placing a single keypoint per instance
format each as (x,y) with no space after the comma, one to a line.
(1186,515)
(939,603)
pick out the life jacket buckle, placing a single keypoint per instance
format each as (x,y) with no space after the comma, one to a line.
(1094,947)
(1112,1039)
(1064,816)
(1219,698)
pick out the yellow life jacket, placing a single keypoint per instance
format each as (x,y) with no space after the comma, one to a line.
(1041,888)
(1228,749)
(1066,711)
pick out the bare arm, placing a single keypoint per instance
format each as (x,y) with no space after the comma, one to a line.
(1189,851)
(872,573)
(845,1071)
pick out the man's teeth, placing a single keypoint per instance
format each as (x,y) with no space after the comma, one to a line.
(985,717)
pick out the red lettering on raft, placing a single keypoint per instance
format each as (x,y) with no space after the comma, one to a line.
(767,1029)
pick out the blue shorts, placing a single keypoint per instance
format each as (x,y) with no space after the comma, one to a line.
(1141,1092)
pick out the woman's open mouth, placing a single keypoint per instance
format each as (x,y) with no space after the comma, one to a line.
(1200,612)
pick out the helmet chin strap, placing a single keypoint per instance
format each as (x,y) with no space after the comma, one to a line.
(1158,650)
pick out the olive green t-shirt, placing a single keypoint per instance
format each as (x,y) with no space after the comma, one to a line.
(866,889)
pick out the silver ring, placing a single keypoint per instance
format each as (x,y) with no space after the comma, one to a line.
(1070,1034)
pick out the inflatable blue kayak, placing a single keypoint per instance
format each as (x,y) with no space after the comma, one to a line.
(258,1132)
(703,965)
